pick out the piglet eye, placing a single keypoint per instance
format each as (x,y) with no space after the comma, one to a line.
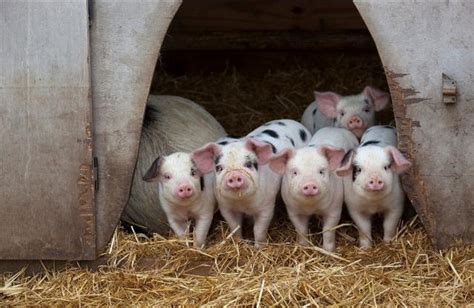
(167,176)
(342,113)
(386,167)
(218,168)
(357,169)
(322,171)
(248,165)
(193,172)
(294,172)
(366,109)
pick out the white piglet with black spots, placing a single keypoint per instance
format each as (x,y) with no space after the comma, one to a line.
(245,184)
(310,185)
(354,112)
(372,182)
(185,194)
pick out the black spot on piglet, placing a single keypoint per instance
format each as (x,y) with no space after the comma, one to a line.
(303,135)
(369,142)
(218,159)
(314,111)
(346,157)
(201,181)
(274,150)
(291,140)
(355,172)
(223,142)
(281,123)
(270,133)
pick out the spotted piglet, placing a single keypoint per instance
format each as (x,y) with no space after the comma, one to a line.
(184,194)
(372,183)
(310,185)
(245,184)
(355,112)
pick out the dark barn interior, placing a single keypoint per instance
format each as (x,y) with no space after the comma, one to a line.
(263,61)
(251,64)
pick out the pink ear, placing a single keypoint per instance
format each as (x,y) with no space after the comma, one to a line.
(334,156)
(400,163)
(378,97)
(279,161)
(346,164)
(204,157)
(262,149)
(153,173)
(327,102)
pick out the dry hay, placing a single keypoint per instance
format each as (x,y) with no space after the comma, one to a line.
(163,271)
(159,271)
(241,101)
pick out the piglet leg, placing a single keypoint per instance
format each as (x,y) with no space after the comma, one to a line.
(260,227)
(301,225)
(364,225)
(179,226)
(203,223)
(234,220)
(390,223)
(329,232)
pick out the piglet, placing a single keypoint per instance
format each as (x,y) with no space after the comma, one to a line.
(372,183)
(354,112)
(245,184)
(310,185)
(184,194)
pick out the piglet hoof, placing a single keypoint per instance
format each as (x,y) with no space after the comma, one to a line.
(365,246)
(329,247)
(304,242)
(260,244)
(199,245)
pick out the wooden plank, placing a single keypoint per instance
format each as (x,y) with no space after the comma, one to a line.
(264,41)
(417,45)
(126,38)
(46,187)
(266,15)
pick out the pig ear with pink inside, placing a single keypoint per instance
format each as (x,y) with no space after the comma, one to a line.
(346,164)
(204,157)
(379,98)
(327,103)
(399,162)
(153,173)
(333,155)
(279,161)
(261,149)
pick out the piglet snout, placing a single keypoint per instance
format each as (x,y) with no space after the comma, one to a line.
(355,122)
(235,180)
(184,191)
(310,189)
(375,183)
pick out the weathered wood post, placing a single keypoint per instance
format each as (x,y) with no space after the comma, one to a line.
(419,42)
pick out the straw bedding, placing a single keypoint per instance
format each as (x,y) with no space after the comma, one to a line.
(406,271)
(155,270)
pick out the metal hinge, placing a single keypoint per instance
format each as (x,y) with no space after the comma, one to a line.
(95,168)
(89,10)
(449,90)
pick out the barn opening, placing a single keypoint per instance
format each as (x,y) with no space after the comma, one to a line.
(250,63)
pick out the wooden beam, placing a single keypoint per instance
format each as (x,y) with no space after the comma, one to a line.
(275,40)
